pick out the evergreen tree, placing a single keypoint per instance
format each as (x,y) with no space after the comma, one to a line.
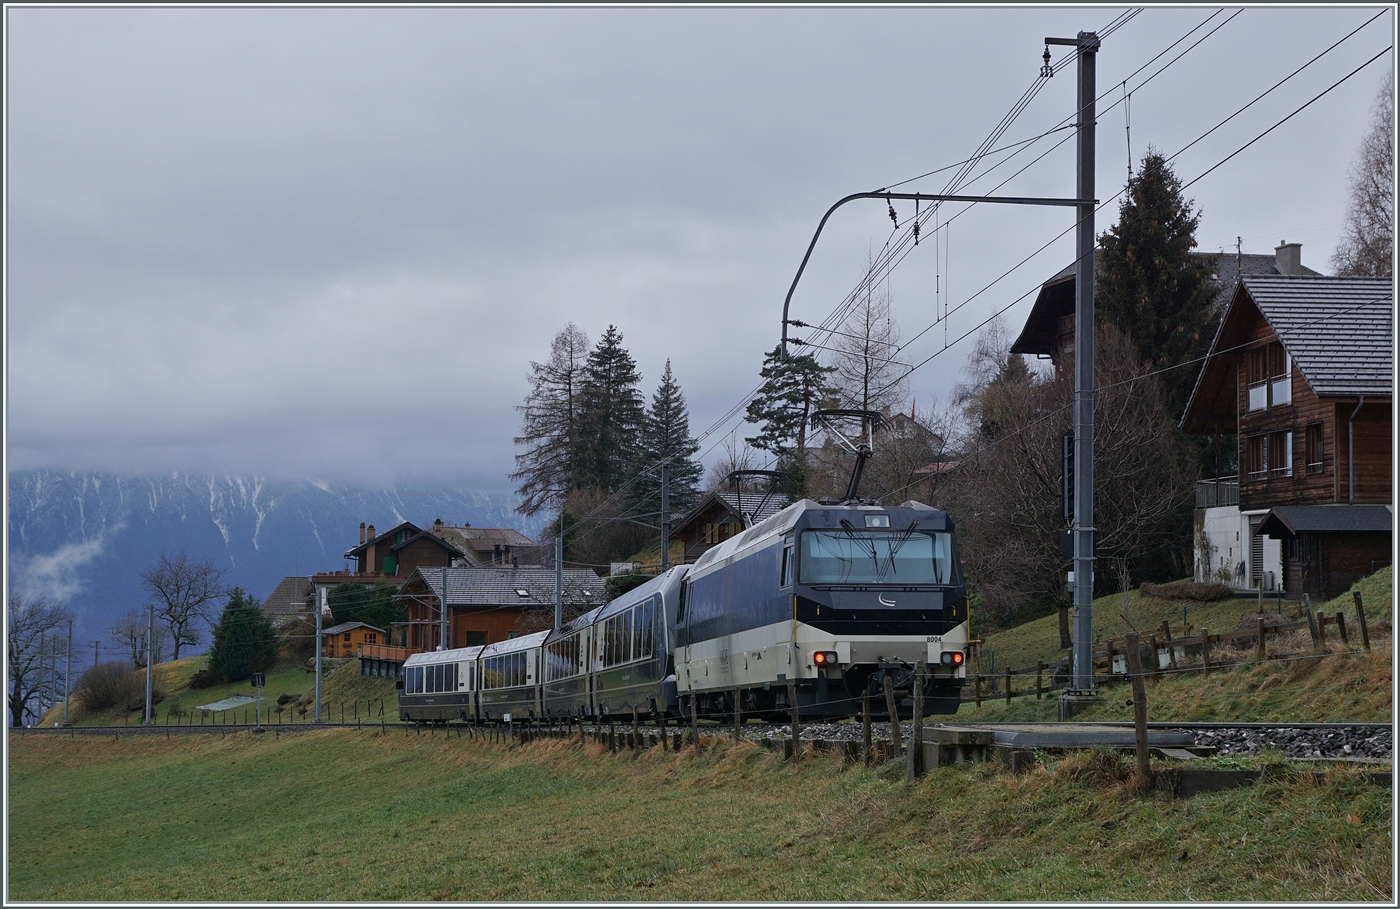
(244,640)
(791,390)
(610,416)
(546,469)
(371,605)
(666,434)
(1149,285)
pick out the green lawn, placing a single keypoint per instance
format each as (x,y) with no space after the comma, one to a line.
(347,814)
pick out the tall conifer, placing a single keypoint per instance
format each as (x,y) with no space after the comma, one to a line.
(611,412)
(666,434)
(546,469)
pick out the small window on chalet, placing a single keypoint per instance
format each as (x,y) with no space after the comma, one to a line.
(1255,455)
(347,637)
(1313,447)
(1281,454)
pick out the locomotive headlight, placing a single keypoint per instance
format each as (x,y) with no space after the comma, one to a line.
(824,658)
(952,658)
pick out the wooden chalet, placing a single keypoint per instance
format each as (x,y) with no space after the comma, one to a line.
(401,551)
(721,515)
(1301,374)
(346,639)
(1049,329)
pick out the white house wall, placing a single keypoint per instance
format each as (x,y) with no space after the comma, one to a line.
(1226,531)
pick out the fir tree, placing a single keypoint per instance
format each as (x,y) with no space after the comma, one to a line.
(666,434)
(791,390)
(1149,285)
(546,468)
(244,640)
(610,416)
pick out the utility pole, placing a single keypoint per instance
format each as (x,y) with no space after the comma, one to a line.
(68,674)
(39,685)
(559,575)
(320,606)
(442,613)
(150,655)
(96,645)
(1082,683)
(665,516)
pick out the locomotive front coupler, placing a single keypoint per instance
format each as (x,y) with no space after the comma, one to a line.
(900,674)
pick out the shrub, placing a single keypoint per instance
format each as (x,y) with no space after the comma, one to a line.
(285,699)
(207,678)
(1187,590)
(108,685)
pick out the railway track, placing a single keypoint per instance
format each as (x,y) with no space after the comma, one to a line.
(1304,741)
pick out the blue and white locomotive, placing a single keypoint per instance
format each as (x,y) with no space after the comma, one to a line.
(831,600)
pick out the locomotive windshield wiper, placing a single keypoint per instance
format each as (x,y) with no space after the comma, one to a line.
(895,547)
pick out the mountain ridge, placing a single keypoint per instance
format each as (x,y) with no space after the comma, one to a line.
(85,536)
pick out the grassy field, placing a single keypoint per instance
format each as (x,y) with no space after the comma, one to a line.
(347,814)
(1119,613)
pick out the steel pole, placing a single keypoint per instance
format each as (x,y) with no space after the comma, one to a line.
(665,516)
(559,575)
(150,656)
(68,674)
(1083,681)
(320,606)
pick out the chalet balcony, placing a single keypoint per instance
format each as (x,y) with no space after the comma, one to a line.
(1217,492)
(387,652)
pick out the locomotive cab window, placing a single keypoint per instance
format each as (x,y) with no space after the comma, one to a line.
(785,572)
(852,557)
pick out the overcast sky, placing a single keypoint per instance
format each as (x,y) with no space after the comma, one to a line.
(326,243)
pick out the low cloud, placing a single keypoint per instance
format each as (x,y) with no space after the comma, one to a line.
(58,575)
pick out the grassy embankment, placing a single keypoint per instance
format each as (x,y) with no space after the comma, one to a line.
(356,814)
(342,687)
(1347,685)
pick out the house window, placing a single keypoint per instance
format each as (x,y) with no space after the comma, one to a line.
(1255,454)
(1280,455)
(347,637)
(1313,448)
(1280,382)
(1258,378)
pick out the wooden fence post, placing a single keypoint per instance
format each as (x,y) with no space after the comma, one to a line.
(636,730)
(796,721)
(1342,629)
(1155,649)
(738,715)
(1314,628)
(893,708)
(1144,769)
(1008,686)
(1039,679)
(1205,650)
(977,688)
(911,767)
(694,721)
(1261,654)
(865,722)
(1361,620)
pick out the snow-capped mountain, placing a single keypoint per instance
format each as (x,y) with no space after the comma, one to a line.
(86,537)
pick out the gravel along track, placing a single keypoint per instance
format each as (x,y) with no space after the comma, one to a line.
(1341,741)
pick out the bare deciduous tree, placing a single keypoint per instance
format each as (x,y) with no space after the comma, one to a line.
(29,622)
(867,376)
(128,634)
(1368,234)
(186,592)
(1005,493)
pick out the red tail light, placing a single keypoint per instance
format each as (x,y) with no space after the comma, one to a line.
(824,658)
(952,658)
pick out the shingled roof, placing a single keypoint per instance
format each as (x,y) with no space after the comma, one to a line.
(1338,330)
(505,586)
(1289,520)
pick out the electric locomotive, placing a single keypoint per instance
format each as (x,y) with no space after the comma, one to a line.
(833,599)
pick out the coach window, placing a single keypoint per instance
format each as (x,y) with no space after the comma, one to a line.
(786,573)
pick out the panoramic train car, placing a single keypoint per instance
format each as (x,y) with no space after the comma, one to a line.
(632,652)
(508,678)
(439,686)
(832,597)
(568,689)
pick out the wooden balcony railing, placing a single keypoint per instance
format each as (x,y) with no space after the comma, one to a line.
(387,652)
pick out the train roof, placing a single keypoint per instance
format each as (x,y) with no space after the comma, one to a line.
(455,655)
(784,521)
(524,642)
(642,591)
